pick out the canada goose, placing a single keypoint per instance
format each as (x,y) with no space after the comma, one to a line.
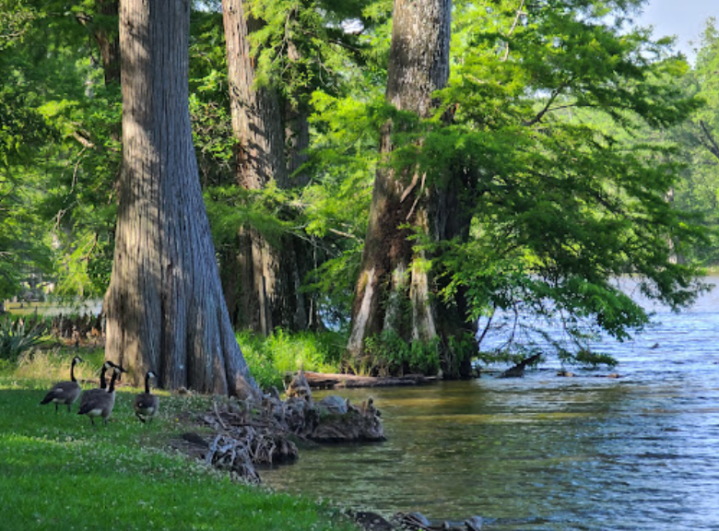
(101,404)
(64,392)
(87,395)
(146,404)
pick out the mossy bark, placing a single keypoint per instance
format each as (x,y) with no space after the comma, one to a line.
(395,289)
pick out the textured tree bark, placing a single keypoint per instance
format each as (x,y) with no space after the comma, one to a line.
(165,309)
(256,118)
(297,135)
(303,311)
(452,219)
(109,43)
(391,276)
(259,154)
(267,294)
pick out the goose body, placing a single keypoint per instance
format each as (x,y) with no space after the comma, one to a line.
(146,404)
(87,395)
(64,392)
(100,404)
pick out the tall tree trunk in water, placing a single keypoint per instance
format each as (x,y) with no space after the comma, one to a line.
(165,309)
(267,293)
(393,289)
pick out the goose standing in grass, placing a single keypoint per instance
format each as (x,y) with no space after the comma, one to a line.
(87,395)
(146,404)
(64,392)
(101,404)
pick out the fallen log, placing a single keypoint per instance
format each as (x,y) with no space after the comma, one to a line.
(318,380)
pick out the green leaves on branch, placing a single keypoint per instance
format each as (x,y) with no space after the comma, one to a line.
(539,133)
(231,208)
(302,46)
(697,192)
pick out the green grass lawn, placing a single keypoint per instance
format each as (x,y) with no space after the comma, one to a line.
(59,472)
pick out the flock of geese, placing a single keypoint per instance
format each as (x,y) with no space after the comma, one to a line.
(101,401)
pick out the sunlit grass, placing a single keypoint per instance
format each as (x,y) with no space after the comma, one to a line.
(55,364)
(57,471)
(270,358)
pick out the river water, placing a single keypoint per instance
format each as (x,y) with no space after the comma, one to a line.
(638,453)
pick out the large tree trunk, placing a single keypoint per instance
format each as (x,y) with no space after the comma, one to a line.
(165,309)
(393,289)
(267,294)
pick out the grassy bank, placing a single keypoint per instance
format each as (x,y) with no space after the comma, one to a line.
(58,472)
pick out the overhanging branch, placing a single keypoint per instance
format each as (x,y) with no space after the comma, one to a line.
(712,146)
(546,108)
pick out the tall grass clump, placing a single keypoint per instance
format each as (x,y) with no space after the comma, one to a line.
(18,336)
(55,364)
(270,358)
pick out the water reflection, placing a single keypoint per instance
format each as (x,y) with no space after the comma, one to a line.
(548,453)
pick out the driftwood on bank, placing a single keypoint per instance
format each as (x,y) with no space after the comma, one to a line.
(415,521)
(247,433)
(318,380)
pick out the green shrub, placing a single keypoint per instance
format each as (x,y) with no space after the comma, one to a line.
(260,362)
(272,357)
(292,352)
(16,337)
(391,354)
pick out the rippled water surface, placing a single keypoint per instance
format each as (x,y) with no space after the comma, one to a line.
(547,453)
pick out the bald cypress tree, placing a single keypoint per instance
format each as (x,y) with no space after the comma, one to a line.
(165,309)
(392,297)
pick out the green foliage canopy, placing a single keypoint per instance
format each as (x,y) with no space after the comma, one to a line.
(568,130)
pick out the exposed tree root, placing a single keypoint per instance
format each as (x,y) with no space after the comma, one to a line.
(251,432)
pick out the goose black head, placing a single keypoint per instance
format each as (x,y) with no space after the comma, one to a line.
(116,368)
